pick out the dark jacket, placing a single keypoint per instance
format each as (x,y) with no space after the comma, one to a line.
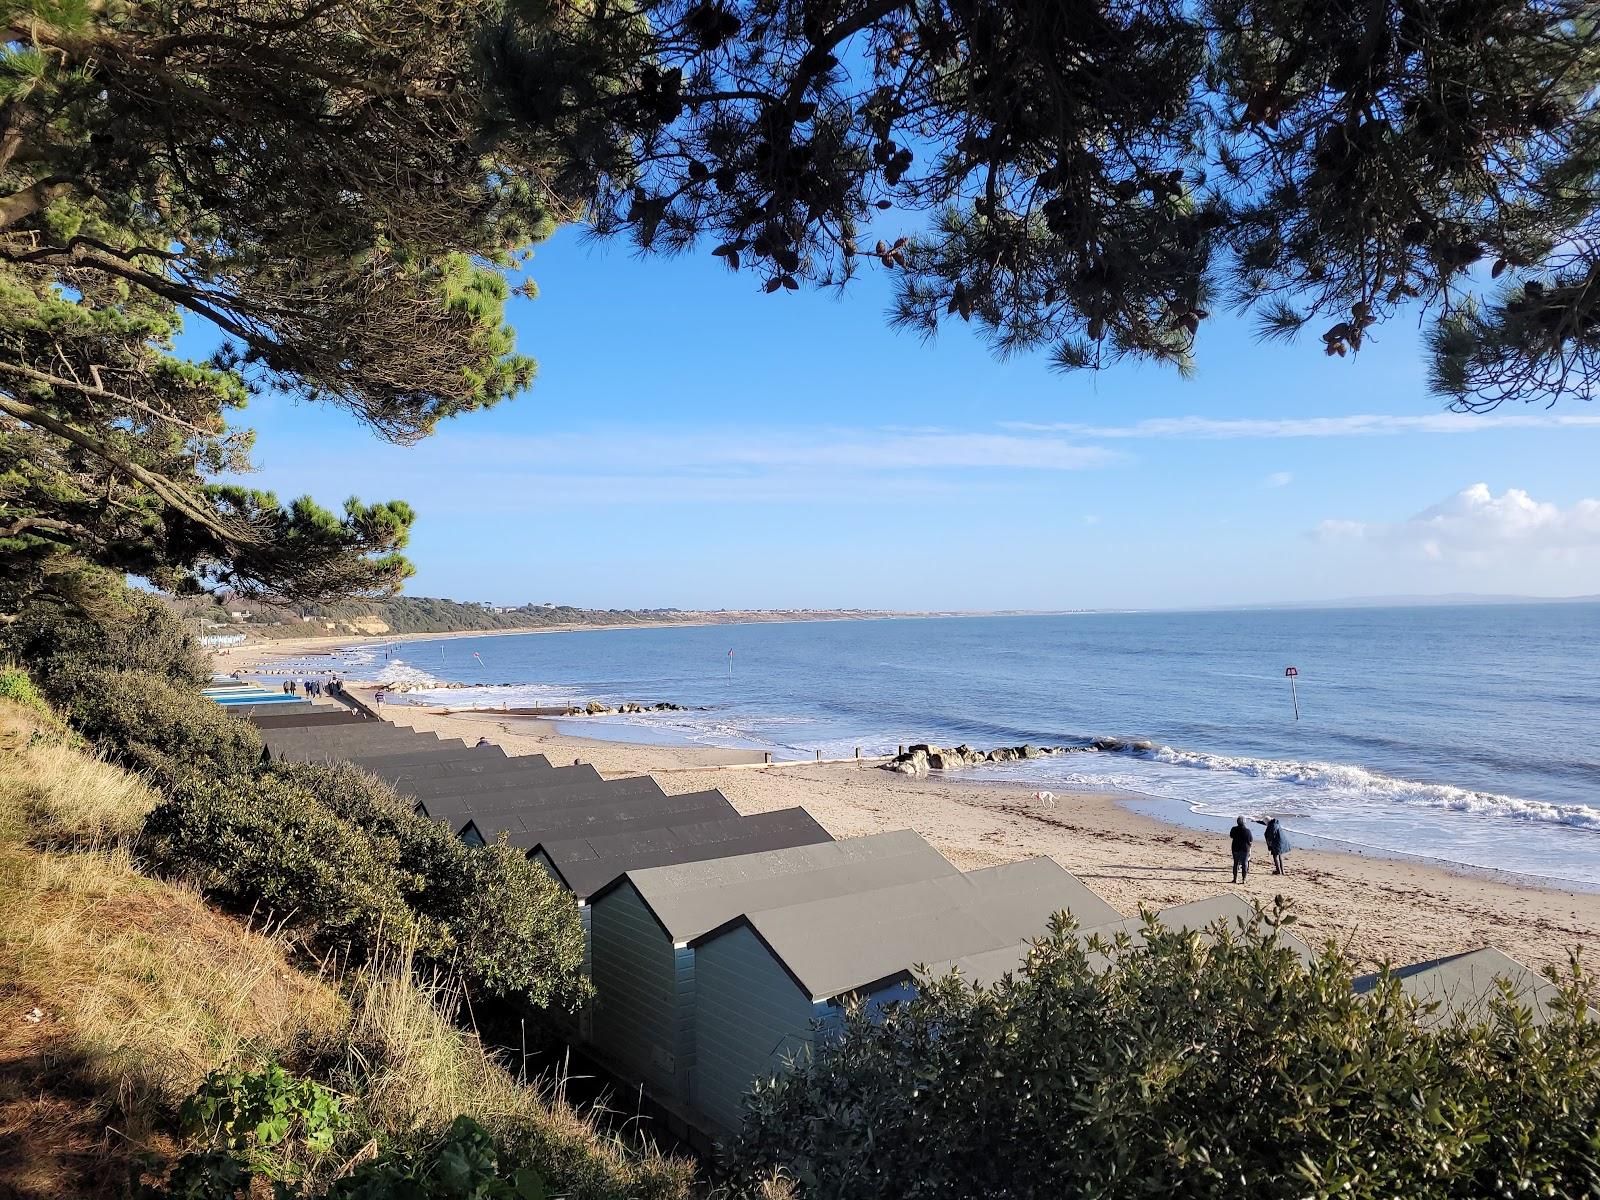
(1242,838)
(1277,838)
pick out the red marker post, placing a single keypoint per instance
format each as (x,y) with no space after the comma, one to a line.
(1293,673)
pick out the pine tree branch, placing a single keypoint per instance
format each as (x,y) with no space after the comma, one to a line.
(164,489)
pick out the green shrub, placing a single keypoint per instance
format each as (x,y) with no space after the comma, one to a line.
(151,724)
(16,686)
(263,1109)
(466,1163)
(515,932)
(267,843)
(518,930)
(1185,1068)
(104,625)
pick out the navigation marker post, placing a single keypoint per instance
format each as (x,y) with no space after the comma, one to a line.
(1293,673)
(730,664)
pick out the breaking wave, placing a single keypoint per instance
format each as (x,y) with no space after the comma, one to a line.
(1359,783)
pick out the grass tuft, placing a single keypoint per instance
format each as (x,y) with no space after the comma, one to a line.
(59,795)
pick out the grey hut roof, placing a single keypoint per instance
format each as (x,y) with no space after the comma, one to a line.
(588,864)
(314,718)
(858,941)
(536,794)
(990,966)
(534,826)
(692,899)
(489,780)
(444,773)
(1466,983)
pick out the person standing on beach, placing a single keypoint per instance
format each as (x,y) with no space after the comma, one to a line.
(1241,837)
(1277,846)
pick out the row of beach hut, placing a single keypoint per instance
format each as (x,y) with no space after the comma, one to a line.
(721,945)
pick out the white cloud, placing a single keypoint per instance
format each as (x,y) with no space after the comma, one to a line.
(720,465)
(1278,479)
(1476,526)
(1354,425)
(753,449)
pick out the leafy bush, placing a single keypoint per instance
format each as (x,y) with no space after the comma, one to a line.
(267,842)
(1185,1067)
(515,932)
(102,625)
(334,851)
(17,687)
(151,724)
(466,1163)
(518,930)
(265,1108)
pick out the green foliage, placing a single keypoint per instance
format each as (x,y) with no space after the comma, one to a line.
(1097,180)
(202,1175)
(1186,1066)
(267,843)
(466,1163)
(356,262)
(334,852)
(509,928)
(263,1109)
(151,725)
(517,929)
(17,687)
(92,621)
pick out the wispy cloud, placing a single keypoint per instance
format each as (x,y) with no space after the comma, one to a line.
(1278,479)
(1354,425)
(869,450)
(1476,526)
(722,466)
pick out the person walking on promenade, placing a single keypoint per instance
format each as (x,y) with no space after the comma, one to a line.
(1277,845)
(1241,837)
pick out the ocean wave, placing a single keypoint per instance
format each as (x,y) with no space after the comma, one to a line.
(1360,783)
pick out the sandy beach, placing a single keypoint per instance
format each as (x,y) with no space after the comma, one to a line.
(1376,908)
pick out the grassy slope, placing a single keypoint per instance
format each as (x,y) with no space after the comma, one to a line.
(140,989)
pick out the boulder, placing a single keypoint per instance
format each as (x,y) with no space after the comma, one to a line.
(595,709)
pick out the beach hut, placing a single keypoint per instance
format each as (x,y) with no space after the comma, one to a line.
(423,776)
(344,741)
(1201,916)
(642,927)
(315,717)
(584,865)
(1464,984)
(503,809)
(595,813)
(765,980)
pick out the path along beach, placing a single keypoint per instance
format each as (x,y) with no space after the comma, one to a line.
(1377,908)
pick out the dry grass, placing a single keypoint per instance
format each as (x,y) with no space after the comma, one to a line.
(141,989)
(150,989)
(63,795)
(412,1068)
(117,992)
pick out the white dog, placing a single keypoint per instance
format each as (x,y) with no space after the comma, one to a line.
(1046,798)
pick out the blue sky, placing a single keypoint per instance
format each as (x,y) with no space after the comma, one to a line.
(690,442)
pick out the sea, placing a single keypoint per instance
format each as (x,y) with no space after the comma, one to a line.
(1466,734)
